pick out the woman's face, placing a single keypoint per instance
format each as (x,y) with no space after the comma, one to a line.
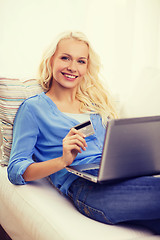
(70,63)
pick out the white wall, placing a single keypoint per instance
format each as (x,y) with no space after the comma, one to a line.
(126,34)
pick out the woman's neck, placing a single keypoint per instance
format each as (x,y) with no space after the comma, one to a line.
(65,100)
(61,93)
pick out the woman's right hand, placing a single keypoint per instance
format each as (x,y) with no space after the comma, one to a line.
(72,145)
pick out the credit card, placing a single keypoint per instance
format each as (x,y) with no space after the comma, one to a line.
(86,128)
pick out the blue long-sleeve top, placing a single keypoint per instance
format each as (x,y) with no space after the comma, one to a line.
(38,132)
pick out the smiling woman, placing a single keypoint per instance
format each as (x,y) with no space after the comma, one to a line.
(82,66)
(69,58)
(50,137)
(67,65)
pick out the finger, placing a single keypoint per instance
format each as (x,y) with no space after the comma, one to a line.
(72,142)
(78,143)
(75,131)
(72,147)
(77,148)
(77,137)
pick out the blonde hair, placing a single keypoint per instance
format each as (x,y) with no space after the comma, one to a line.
(91,93)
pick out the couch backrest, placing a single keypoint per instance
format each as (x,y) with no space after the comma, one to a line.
(144,97)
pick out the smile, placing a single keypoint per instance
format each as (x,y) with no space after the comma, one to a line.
(69,76)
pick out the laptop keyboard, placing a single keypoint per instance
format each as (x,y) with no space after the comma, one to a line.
(93,172)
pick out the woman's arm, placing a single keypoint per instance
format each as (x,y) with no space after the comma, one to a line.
(25,132)
(72,145)
(43,169)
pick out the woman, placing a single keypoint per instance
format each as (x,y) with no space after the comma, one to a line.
(44,131)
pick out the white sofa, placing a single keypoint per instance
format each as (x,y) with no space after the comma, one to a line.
(37,211)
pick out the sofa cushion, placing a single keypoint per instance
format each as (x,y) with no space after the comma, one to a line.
(12,93)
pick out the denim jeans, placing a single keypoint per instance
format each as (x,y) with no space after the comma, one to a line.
(135,200)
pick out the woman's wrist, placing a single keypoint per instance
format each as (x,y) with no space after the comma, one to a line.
(63,161)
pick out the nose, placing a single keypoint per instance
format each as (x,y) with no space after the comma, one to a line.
(72,66)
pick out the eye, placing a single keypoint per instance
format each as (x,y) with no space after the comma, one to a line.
(81,61)
(65,58)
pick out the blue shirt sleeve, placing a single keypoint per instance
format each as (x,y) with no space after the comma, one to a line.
(25,132)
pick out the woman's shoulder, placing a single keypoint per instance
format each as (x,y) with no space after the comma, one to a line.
(33,101)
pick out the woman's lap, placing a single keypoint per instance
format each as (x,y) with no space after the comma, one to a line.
(129,200)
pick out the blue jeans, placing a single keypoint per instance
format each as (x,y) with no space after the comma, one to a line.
(135,200)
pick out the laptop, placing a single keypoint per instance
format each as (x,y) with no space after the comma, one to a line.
(131,149)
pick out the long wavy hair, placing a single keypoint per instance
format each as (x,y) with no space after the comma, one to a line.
(94,98)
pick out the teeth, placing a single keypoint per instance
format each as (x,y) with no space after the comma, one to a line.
(70,76)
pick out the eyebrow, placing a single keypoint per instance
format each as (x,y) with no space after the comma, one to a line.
(71,56)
